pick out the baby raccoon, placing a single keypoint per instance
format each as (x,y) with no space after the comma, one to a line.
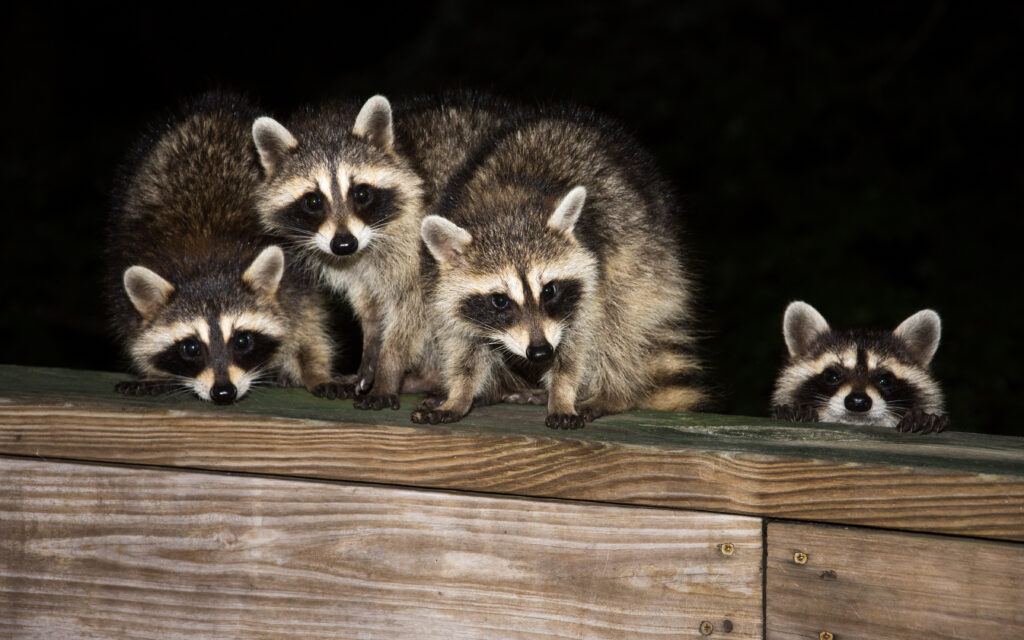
(860,377)
(557,263)
(200,296)
(349,186)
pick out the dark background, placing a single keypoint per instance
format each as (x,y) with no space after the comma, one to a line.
(866,159)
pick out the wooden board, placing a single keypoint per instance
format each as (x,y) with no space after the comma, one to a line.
(103,551)
(863,583)
(955,483)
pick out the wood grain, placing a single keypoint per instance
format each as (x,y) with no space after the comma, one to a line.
(955,483)
(103,551)
(862,583)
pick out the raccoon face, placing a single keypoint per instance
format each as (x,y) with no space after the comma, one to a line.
(524,304)
(858,394)
(334,194)
(218,366)
(859,378)
(217,353)
(527,314)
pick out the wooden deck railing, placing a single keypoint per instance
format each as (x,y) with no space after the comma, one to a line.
(289,516)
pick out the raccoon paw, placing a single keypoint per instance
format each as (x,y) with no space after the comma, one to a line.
(527,396)
(376,402)
(565,421)
(795,413)
(143,387)
(433,416)
(590,413)
(915,421)
(334,390)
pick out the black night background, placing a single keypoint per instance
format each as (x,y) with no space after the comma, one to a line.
(866,158)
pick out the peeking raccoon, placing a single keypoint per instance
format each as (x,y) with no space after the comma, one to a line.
(557,264)
(860,377)
(201,298)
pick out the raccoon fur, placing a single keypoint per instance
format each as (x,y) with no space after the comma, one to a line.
(860,377)
(349,185)
(201,298)
(558,264)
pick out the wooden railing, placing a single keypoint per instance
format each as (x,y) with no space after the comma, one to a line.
(289,516)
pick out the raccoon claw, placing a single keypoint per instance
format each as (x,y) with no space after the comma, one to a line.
(377,402)
(565,421)
(527,396)
(142,387)
(795,413)
(430,402)
(921,422)
(334,391)
(432,416)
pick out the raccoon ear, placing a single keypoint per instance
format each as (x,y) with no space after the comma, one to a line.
(147,290)
(374,123)
(568,211)
(445,239)
(921,333)
(801,325)
(273,142)
(264,274)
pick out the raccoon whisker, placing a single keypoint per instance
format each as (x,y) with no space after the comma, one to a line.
(180,392)
(293,244)
(298,231)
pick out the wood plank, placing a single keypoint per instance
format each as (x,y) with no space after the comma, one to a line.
(103,551)
(863,583)
(954,483)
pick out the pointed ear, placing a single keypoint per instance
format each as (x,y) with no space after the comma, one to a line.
(374,123)
(801,325)
(273,142)
(921,333)
(445,239)
(264,274)
(147,290)
(568,211)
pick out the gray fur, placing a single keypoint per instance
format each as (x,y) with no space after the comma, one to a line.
(801,326)
(414,148)
(185,248)
(568,192)
(921,332)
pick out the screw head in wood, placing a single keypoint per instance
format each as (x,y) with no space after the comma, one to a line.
(825,635)
(726,548)
(706,628)
(800,557)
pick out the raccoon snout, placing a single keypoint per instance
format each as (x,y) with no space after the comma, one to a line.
(223,393)
(344,244)
(858,401)
(539,352)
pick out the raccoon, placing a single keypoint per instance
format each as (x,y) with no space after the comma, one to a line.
(349,185)
(200,297)
(557,262)
(860,377)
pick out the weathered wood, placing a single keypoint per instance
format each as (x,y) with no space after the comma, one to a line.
(956,483)
(863,583)
(104,551)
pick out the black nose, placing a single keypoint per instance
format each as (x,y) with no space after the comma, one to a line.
(539,353)
(223,393)
(344,244)
(858,401)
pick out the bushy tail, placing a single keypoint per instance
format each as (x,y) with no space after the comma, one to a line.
(677,379)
